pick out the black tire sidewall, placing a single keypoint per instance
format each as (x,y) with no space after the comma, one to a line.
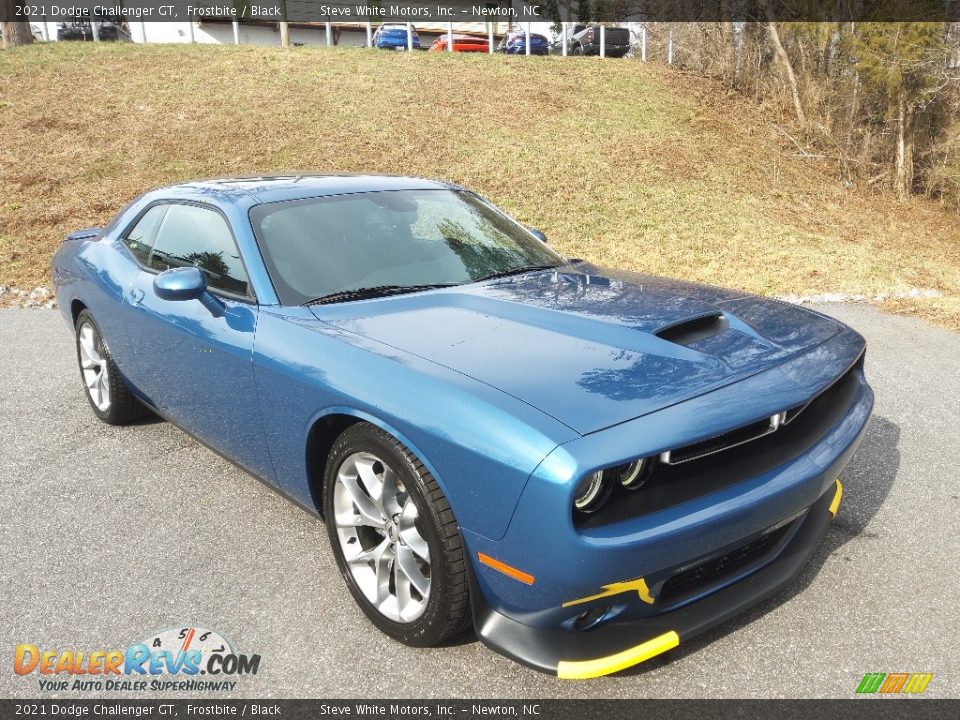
(430,628)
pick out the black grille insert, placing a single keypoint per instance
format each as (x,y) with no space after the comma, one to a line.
(712,572)
(720,443)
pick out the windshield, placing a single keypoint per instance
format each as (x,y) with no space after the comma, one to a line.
(322,246)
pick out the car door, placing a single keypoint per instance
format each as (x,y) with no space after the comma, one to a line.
(195,365)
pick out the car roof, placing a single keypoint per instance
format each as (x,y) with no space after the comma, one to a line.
(255,189)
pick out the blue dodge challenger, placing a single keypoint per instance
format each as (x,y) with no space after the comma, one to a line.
(589,466)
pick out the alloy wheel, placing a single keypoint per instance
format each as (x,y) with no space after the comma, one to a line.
(379,532)
(93,365)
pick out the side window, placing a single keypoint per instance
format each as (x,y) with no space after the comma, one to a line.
(140,238)
(192,235)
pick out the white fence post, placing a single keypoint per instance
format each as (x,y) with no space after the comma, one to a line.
(409,37)
(670,48)
(369,34)
(236,32)
(490,36)
(449,37)
(190,25)
(143,31)
(643,43)
(603,41)
(527,35)
(329,29)
(95,28)
(563,38)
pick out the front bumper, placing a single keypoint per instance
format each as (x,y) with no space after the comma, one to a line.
(691,564)
(521,50)
(616,646)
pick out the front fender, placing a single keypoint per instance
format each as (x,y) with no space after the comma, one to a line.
(480,444)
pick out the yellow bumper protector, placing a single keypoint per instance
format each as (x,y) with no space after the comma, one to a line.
(639,586)
(586,669)
(838,495)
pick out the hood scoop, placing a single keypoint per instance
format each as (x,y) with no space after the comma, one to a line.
(693,330)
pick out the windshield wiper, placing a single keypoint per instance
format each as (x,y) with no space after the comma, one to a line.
(515,271)
(365,293)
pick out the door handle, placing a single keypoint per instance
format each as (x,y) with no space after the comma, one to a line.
(136,295)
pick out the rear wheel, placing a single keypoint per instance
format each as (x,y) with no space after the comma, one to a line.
(106,390)
(578,50)
(395,538)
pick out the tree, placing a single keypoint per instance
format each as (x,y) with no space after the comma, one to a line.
(787,67)
(904,64)
(584,11)
(13,33)
(552,13)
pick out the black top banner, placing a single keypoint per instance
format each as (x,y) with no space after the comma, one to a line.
(865,709)
(376,11)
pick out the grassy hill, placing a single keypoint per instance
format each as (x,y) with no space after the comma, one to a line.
(626,164)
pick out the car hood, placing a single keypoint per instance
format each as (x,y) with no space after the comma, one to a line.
(588,346)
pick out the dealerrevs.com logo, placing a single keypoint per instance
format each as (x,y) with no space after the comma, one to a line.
(187,659)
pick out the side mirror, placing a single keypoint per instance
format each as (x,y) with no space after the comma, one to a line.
(538,235)
(186,283)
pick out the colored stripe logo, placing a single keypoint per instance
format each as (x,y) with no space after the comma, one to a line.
(894,683)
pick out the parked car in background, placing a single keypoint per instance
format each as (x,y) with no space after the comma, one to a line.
(83,30)
(393,36)
(515,43)
(461,43)
(585,40)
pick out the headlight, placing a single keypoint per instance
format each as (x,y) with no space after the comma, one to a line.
(632,475)
(591,493)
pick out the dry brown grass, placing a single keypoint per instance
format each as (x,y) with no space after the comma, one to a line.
(626,164)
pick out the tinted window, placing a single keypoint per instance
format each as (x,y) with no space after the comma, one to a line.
(326,245)
(140,238)
(192,235)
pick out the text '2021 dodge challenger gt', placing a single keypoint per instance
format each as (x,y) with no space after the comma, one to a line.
(588,465)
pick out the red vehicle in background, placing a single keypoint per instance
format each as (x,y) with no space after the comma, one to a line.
(461,43)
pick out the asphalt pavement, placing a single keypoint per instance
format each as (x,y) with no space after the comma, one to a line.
(110,534)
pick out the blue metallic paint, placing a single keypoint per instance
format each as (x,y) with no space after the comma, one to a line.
(509,391)
(652,546)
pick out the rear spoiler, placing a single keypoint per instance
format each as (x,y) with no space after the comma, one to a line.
(84,234)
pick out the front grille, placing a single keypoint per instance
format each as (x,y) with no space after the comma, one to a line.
(728,440)
(712,572)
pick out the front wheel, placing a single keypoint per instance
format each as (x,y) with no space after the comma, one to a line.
(106,390)
(395,538)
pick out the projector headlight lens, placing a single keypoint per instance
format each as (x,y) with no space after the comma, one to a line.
(632,475)
(591,493)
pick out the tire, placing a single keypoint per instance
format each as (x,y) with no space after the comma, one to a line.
(396,543)
(577,50)
(105,388)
